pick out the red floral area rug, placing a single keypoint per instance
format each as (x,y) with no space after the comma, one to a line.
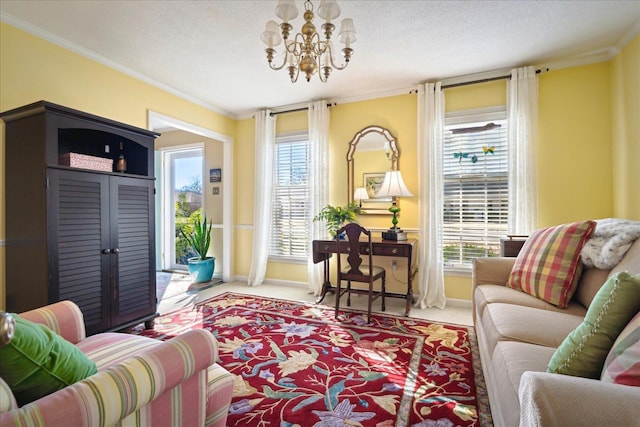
(295,365)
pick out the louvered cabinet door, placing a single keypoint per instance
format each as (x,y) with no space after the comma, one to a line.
(133,237)
(79,242)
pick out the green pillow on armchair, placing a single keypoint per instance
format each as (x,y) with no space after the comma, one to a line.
(37,362)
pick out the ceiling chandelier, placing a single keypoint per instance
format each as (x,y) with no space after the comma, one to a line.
(306,51)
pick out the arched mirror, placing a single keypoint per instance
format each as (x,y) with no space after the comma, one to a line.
(372,152)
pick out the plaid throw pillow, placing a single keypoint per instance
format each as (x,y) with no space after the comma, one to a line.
(548,266)
(622,365)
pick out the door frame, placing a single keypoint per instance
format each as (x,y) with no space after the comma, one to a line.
(158,122)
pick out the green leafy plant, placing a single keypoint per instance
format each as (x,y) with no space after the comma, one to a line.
(200,236)
(335,216)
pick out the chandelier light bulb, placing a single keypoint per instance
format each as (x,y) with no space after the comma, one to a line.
(308,51)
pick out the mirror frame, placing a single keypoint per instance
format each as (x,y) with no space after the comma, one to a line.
(353,145)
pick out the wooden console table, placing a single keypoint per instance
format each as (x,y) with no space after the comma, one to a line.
(324,249)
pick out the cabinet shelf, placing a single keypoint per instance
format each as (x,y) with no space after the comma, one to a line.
(104,145)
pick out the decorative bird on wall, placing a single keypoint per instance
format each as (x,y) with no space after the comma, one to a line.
(486,149)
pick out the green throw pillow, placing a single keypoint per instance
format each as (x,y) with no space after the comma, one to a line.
(38,362)
(584,350)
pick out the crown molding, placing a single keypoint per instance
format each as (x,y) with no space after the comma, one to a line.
(52,38)
(374,95)
(628,36)
(601,55)
(474,77)
(335,101)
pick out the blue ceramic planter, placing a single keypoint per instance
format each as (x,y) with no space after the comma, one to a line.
(201,270)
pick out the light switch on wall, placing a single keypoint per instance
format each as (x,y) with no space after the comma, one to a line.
(216,191)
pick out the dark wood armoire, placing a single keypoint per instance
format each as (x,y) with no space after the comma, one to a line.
(80,215)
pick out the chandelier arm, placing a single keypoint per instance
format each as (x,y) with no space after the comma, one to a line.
(273,67)
(317,44)
(323,74)
(294,72)
(336,66)
(298,42)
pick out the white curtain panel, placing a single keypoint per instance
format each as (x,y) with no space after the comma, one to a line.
(264,145)
(430,188)
(523,134)
(319,118)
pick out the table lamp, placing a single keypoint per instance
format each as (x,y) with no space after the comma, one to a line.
(360,194)
(393,186)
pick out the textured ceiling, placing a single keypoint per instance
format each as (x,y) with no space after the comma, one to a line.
(210,51)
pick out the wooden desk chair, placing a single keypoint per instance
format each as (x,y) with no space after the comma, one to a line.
(355,271)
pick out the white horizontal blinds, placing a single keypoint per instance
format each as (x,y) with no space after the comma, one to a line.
(476,189)
(289,235)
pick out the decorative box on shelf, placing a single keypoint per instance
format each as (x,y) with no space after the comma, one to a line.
(511,245)
(83,161)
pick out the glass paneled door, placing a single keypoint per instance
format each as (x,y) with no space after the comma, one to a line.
(182,201)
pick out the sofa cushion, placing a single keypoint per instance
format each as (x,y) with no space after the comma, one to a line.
(508,322)
(584,350)
(511,359)
(622,365)
(489,294)
(549,266)
(589,284)
(37,362)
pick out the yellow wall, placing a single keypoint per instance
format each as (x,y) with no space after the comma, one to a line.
(398,114)
(625,93)
(574,154)
(244,159)
(589,135)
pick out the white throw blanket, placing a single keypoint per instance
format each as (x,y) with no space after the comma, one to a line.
(610,241)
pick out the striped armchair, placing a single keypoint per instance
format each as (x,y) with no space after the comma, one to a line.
(140,381)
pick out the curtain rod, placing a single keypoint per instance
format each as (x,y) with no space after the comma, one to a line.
(490,79)
(476,81)
(275,113)
(471,82)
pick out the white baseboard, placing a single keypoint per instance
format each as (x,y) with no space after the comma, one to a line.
(275,282)
(456,302)
(453,302)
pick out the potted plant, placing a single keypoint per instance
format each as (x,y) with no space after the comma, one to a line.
(336,216)
(202,266)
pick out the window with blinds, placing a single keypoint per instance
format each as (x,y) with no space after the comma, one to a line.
(476,188)
(290,209)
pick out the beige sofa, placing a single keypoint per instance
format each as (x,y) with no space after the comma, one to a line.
(518,334)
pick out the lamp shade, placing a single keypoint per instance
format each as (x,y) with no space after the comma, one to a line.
(393,186)
(271,37)
(347,33)
(328,10)
(360,194)
(286,10)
